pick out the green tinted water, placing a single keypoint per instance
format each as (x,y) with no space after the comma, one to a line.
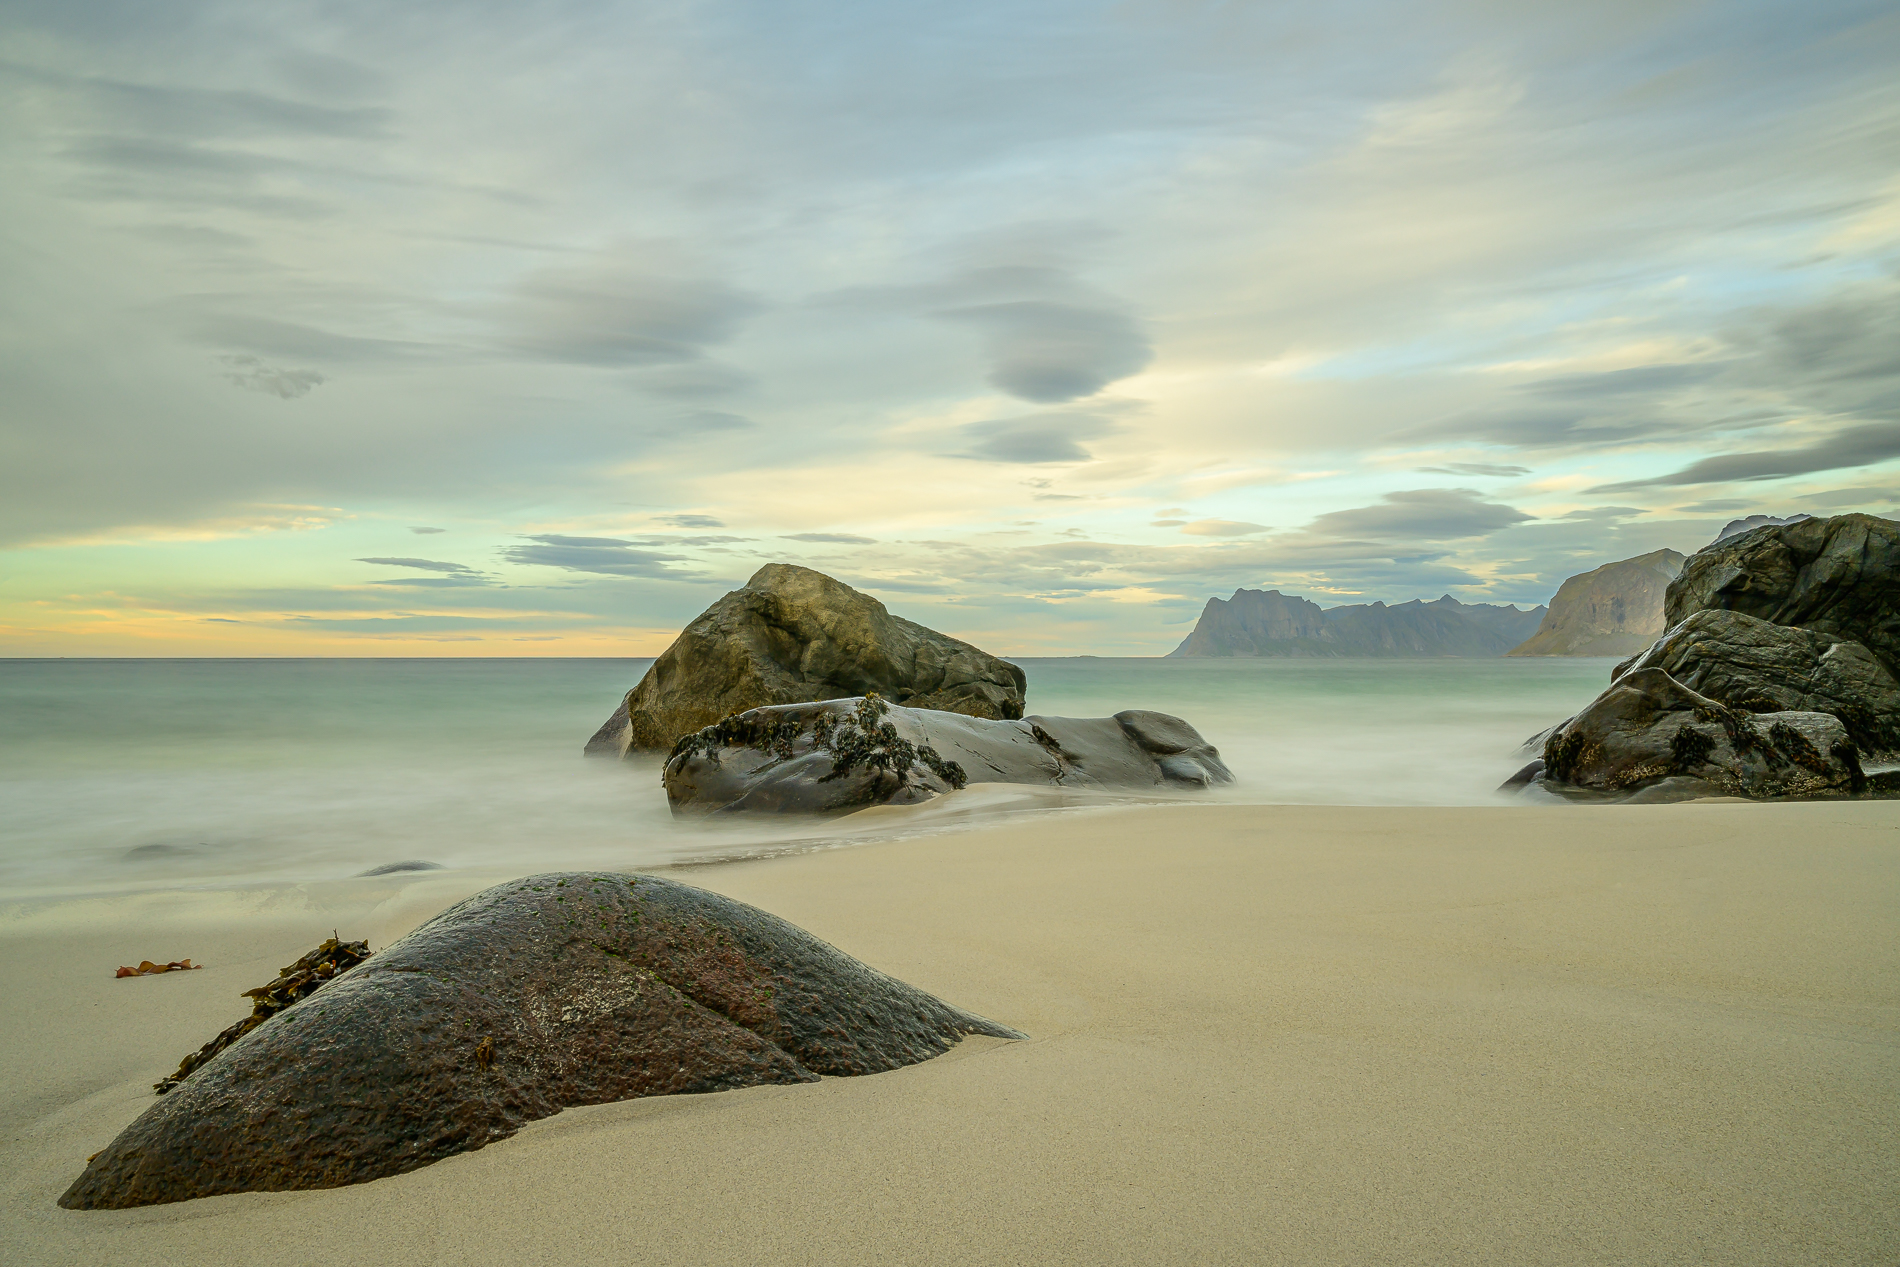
(123,773)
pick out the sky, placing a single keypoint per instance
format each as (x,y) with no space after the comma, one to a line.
(531,328)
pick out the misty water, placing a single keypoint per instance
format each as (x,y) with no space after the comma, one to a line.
(133,773)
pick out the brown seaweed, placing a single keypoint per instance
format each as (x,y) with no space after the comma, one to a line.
(298,981)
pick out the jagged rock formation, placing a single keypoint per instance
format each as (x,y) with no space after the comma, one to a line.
(1616,609)
(793,636)
(843,755)
(1757,667)
(1837,576)
(1269,623)
(1649,727)
(1783,638)
(535,995)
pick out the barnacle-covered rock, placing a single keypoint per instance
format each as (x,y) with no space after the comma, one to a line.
(535,995)
(842,755)
(1758,667)
(1648,728)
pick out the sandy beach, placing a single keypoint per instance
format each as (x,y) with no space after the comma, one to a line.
(1659,1034)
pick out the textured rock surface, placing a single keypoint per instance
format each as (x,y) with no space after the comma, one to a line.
(1752,665)
(1269,623)
(843,755)
(1616,609)
(1838,576)
(1648,727)
(537,994)
(793,636)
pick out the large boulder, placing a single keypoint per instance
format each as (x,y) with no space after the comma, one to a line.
(1838,576)
(843,755)
(794,636)
(1758,667)
(535,995)
(1648,728)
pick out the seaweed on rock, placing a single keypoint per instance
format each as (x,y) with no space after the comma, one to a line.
(298,981)
(866,739)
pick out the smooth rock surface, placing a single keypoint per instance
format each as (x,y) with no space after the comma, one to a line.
(536,995)
(793,636)
(1759,667)
(1838,576)
(1616,609)
(1648,727)
(842,755)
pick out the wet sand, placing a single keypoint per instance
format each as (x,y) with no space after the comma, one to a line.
(1659,1034)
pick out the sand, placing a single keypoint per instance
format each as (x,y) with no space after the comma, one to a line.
(1658,1034)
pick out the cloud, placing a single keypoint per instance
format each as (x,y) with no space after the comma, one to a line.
(717,420)
(1854,446)
(1050,352)
(1851,496)
(427,565)
(1639,380)
(1422,514)
(692,380)
(689,521)
(1475,468)
(830,538)
(606,556)
(1221,528)
(427,531)
(1033,439)
(252,374)
(617,311)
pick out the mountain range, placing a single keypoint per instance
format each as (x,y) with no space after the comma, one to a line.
(1269,623)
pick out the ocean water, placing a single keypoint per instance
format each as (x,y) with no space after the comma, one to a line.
(124,774)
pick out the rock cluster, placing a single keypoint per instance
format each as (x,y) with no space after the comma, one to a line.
(1777,675)
(795,636)
(842,755)
(535,995)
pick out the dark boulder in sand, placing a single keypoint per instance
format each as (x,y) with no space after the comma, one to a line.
(535,995)
(1648,728)
(793,636)
(842,755)
(1838,576)
(1758,667)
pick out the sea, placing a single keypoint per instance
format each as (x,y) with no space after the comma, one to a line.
(119,775)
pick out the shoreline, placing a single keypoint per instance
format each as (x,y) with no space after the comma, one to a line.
(1258,1034)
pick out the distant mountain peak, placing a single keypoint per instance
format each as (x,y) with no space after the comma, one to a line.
(1269,623)
(1616,609)
(1738,526)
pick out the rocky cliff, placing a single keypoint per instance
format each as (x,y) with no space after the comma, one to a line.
(1269,623)
(1616,609)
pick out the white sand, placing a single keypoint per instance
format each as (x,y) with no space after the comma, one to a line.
(1288,1035)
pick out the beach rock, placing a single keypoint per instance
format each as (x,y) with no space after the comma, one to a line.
(843,755)
(1673,791)
(1612,610)
(394,868)
(1648,727)
(1759,667)
(1838,576)
(794,636)
(535,995)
